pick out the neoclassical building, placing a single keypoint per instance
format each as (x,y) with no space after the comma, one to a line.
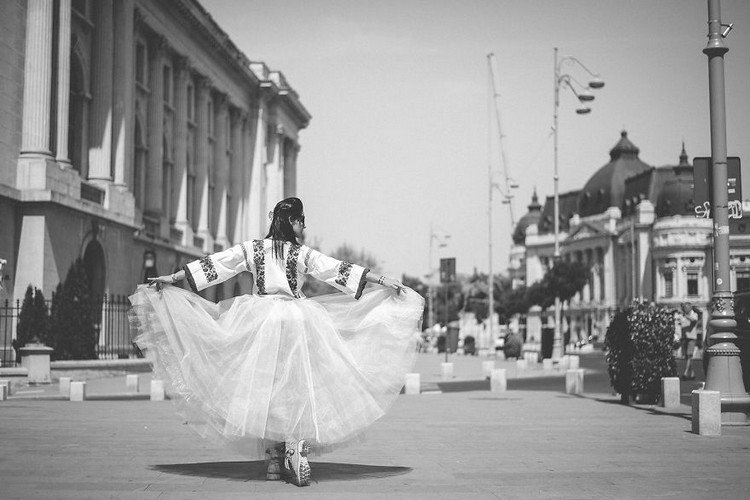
(635,226)
(136,136)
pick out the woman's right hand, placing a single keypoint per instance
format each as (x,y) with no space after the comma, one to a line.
(160,281)
(394,283)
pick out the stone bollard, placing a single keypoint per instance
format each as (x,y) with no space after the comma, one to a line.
(521,364)
(131,382)
(412,385)
(446,371)
(533,358)
(500,355)
(35,358)
(670,392)
(157,390)
(547,364)
(574,362)
(3,392)
(487,367)
(78,391)
(65,386)
(6,383)
(706,413)
(574,381)
(498,381)
(565,362)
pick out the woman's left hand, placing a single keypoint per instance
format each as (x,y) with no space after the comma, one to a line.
(395,284)
(160,281)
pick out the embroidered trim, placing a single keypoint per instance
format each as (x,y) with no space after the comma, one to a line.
(244,252)
(208,269)
(259,260)
(344,269)
(307,259)
(291,269)
(362,283)
(190,279)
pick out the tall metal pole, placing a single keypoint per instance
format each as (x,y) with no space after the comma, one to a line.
(430,312)
(490,278)
(724,372)
(557,347)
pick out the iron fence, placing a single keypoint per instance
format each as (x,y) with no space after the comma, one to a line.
(110,323)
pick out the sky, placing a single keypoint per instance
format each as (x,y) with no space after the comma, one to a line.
(403,124)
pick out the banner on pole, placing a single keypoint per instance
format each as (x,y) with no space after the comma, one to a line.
(703,185)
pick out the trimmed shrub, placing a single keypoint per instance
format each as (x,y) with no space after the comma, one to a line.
(512,346)
(639,344)
(72,319)
(33,320)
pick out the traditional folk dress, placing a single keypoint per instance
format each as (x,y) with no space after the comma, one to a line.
(274,365)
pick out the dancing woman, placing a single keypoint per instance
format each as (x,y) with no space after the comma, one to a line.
(275,371)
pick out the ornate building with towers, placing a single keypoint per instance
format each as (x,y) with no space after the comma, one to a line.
(136,136)
(635,227)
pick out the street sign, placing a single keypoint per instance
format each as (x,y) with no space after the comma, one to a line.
(702,187)
(448,270)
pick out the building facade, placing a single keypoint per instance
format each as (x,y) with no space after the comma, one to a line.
(135,136)
(635,227)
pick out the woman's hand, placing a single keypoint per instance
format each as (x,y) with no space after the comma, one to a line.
(160,281)
(393,283)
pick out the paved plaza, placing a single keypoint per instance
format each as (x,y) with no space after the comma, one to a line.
(533,441)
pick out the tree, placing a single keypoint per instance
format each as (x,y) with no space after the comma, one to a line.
(72,318)
(563,281)
(33,320)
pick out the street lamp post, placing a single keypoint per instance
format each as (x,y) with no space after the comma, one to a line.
(583,95)
(724,372)
(441,239)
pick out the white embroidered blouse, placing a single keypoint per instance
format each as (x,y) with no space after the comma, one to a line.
(274,276)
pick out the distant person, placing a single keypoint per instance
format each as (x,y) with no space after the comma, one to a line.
(689,323)
(275,371)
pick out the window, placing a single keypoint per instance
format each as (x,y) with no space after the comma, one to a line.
(140,63)
(190,103)
(80,7)
(743,280)
(668,283)
(167,85)
(692,283)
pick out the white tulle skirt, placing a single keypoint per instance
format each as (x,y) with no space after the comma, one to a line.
(255,369)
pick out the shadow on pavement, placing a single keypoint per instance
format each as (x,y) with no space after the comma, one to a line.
(653,410)
(256,470)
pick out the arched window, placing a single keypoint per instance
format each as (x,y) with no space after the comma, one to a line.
(77,114)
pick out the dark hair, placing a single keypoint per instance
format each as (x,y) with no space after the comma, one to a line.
(281,230)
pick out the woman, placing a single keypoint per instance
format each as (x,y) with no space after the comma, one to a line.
(276,371)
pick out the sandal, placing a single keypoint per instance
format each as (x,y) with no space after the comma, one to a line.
(296,462)
(273,457)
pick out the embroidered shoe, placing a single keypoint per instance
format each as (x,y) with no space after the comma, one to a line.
(296,462)
(273,457)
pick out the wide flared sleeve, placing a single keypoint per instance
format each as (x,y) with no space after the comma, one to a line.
(216,268)
(342,275)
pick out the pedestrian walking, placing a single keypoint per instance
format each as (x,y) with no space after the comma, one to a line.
(691,346)
(275,373)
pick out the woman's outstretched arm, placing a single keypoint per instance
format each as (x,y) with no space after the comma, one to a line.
(170,278)
(385,281)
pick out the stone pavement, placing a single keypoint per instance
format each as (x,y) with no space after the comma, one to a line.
(538,443)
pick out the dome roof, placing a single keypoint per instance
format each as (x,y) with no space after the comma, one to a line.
(531,217)
(607,186)
(676,194)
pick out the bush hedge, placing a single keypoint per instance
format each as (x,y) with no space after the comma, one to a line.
(639,344)
(73,332)
(513,346)
(33,320)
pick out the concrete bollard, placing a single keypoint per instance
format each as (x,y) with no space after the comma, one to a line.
(574,381)
(498,381)
(65,386)
(500,355)
(533,358)
(131,382)
(565,362)
(4,392)
(412,385)
(7,384)
(574,362)
(446,371)
(521,364)
(547,364)
(78,391)
(706,413)
(487,367)
(670,392)
(157,390)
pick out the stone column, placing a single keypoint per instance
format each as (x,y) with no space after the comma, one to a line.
(100,127)
(182,75)
(124,83)
(255,165)
(63,85)
(610,296)
(221,161)
(236,176)
(37,88)
(157,48)
(201,162)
